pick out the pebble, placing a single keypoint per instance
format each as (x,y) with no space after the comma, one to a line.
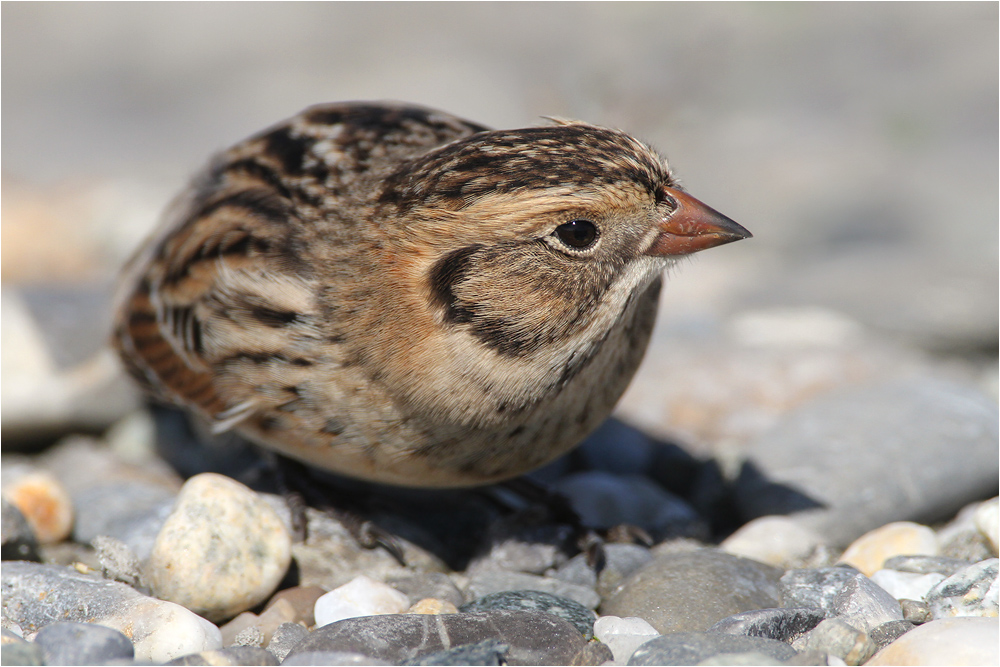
(885,634)
(41,499)
(835,637)
(285,637)
(906,585)
(776,540)
(277,613)
(486,652)
(606,500)
(432,606)
(534,637)
(248,656)
(690,648)
(159,630)
(424,585)
(485,583)
(17,539)
(593,654)
(864,605)
(221,551)
(893,438)
(987,520)
(783,625)
(926,564)
(302,599)
(947,641)
(361,596)
(575,613)
(330,658)
(814,587)
(119,563)
(970,592)
(623,635)
(693,590)
(869,552)
(620,560)
(82,644)
(915,611)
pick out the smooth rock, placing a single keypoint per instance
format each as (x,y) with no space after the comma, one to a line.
(485,583)
(534,638)
(428,585)
(605,500)
(620,560)
(783,625)
(248,656)
(973,591)
(987,520)
(359,597)
(926,564)
(693,590)
(776,540)
(690,648)
(82,644)
(159,630)
(866,449)
(329,658)
(915,611)
(885,634)
(284,639)
(486,652)
(946,641)
(906,585)
(864,605)
(815,587)
(623,635)
(223,550)
(41,499)
(18,540)
(869,552)
(835,637)
(572,611)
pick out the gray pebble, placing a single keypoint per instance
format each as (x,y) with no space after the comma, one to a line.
(784,625)
(118,562)
(846,463)
(487,652)
(693,590)
(969,592)
(82,644)
(17,541)
(968,545)
(864,604)
(534,638)
(885,634)
(240,656)
(331,658)
(815,587)
(915,611)
(835,637)
(285,637)
(690,648)
(485,583)
(116,509)
(594,653)
(926,564)
(581,617)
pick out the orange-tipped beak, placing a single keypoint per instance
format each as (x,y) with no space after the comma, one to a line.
(693,226)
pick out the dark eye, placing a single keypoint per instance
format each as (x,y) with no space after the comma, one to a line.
(577,234)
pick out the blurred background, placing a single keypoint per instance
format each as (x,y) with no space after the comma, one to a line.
(858,142)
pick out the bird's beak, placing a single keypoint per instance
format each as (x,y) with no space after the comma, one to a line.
(693,226)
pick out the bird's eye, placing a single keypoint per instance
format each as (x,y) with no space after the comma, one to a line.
(578,234)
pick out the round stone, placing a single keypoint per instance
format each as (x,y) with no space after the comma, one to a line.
(361,596)
(776,540)
(623,635)
(82,644)
(947,641)
(221,551)
(869,552)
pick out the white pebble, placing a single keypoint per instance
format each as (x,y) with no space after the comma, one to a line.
(162,631)
(360,596)
(775,540)
(623,635)
(906,585)
(987,520)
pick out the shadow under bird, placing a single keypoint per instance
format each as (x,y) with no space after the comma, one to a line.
(399,295)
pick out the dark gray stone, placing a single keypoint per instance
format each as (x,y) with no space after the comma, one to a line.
(865,605)
(569,610)
(888,632)
(487,652)
(238,656)
(926,564)
(428,585)
(331,658)
(693,590)
(17,541)
(482,584)
(815,588)
(690,648)
(783,625)
(848,462)
(284,639)
(82,644)
(534,637)
(835,637)
(21,653)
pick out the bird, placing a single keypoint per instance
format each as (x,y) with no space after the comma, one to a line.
(398,295)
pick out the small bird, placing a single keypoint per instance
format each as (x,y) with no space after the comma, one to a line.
(402,296)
